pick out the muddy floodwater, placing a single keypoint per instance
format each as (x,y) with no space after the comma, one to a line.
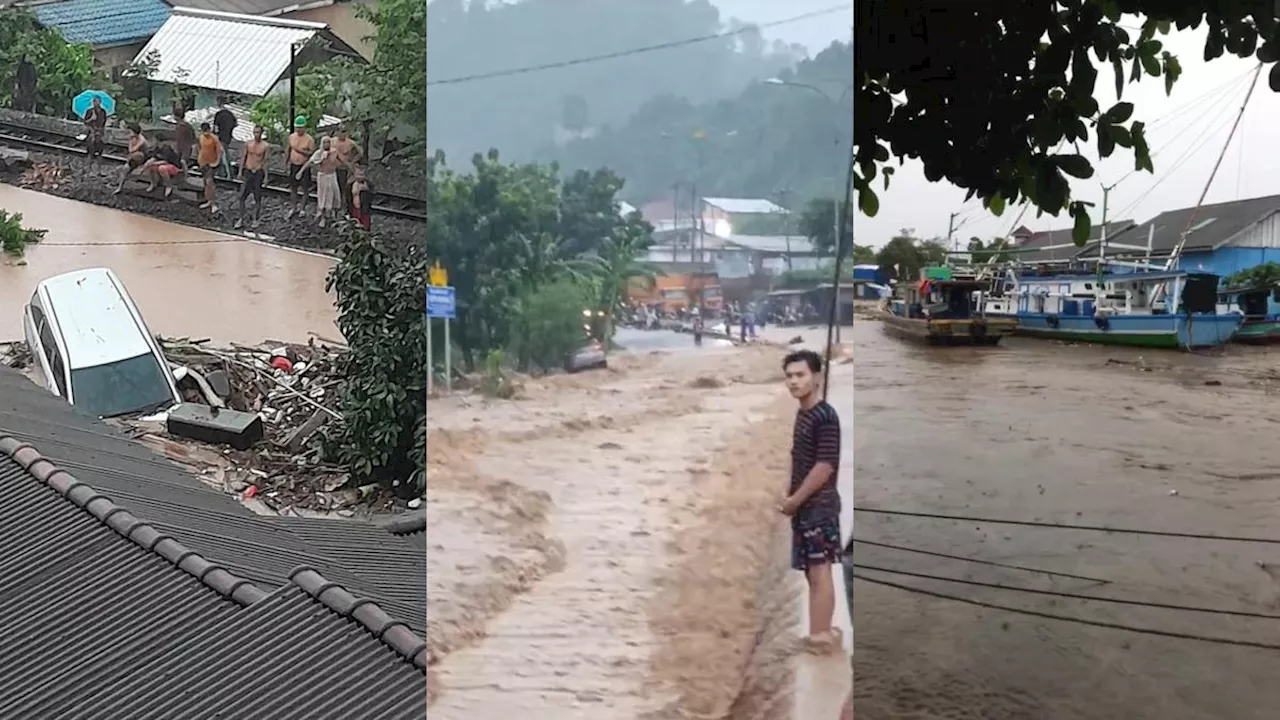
(186,281)
(1066,434)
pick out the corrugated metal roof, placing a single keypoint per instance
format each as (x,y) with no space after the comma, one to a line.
(252,7)
(103,22)
(240,54)
(109,617)
(772,243)
(1229,218)
(744,206)
(1057,244)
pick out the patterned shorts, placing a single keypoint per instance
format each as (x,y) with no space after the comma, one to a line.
(815,545)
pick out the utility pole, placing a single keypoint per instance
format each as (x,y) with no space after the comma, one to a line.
(951,231)
(782,200)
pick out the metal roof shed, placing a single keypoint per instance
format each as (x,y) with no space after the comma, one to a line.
(240,54)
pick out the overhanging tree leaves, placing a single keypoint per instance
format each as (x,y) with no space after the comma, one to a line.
(926,68)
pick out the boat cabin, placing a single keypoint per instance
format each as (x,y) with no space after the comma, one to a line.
(946,299)
(1252,302)
(1138,293)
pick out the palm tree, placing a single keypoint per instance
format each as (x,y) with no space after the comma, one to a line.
(610,268)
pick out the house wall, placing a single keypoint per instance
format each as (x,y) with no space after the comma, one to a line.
(1228,260)
(113,59)
(341,19)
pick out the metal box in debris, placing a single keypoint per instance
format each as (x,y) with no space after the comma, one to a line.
(240,430)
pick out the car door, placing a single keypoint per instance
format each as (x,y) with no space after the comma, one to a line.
(32,322)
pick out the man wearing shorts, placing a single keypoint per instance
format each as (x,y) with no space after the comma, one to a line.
(208,156)
(348,159)
(253,175)
(301,147)
(812,501)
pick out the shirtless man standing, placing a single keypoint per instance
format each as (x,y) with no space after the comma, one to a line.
(301,147)
(253,175)
(348,158)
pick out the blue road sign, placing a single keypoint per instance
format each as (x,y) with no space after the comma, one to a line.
(442,303)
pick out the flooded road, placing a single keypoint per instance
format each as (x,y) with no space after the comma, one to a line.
(1066,434)
(186,281)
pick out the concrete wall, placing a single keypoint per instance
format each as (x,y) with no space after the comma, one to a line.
(342,20)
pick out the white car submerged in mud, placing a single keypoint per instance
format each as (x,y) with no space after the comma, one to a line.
(91,346)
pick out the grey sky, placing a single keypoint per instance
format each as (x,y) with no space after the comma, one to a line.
(815,33)
(1186,131)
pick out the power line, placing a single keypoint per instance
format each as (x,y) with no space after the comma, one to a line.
(1075,596)
(978,561)
(1062,526)
(1066,618)
(635,51)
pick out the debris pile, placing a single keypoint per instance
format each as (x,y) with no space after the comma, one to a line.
(45,176)
(15,355)
(294,389)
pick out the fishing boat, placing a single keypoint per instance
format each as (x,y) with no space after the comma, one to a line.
(943,308)
(1260,307)
(1161,309)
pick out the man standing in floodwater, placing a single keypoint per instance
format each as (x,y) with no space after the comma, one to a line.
(812,501)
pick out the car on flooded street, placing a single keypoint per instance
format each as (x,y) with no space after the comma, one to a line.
(588,357)
(92,347)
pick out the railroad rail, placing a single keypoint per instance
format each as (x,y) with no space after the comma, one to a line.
(388,203)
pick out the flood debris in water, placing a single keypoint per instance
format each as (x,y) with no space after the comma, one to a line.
(293,389)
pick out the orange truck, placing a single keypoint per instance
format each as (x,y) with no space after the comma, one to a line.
(678,290)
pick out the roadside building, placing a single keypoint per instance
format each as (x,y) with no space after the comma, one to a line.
(1223,238)
(1057,246)
(218,54)
(340,16)
(115,29)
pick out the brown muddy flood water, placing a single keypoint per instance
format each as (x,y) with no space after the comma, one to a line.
(186,281)
(1069,434)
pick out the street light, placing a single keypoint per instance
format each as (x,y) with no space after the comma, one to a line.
(835,290)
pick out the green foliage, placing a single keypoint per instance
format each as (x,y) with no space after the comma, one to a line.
(548,324)
(612,266)
(133,92)
(390,92)
(904,255)
(380,293)
(818,223)
(1266,275)
(1033,66)
(807,278)
(14,238)
(863,254)
(495,382)
(520,113)
(996,251)
(764,138)
(316,95)
(63,70)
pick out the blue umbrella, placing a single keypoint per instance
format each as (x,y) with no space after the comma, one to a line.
(80,104)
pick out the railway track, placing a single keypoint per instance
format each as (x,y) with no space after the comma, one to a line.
(387,203)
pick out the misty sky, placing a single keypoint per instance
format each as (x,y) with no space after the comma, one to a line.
(815,34)
(1186,132)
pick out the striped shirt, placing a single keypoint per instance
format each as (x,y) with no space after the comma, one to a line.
(815,439)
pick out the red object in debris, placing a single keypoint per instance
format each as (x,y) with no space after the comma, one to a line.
(250,491)
(281,363)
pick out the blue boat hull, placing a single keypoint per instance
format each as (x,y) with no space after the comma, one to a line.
(1197,330)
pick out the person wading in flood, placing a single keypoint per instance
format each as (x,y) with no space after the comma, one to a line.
(812,501)
(95,124)
(209,154)
(348,158)
(301,147)
(253,175)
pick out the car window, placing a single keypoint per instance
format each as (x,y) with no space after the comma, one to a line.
(138,384)
(56,367)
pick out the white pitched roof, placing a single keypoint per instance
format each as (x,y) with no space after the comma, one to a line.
(796,244)
(241,54)
(744,206)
